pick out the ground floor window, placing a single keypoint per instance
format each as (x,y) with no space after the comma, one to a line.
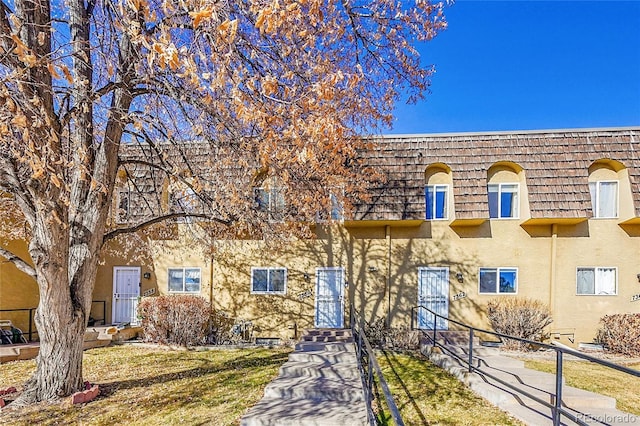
(268,280)
(498,280)
(597,280)
(184,280)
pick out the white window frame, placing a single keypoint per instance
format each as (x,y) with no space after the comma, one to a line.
(595,281)
(184,276)
(517,192)
(336,207)
(268,269)
(498,269)
(595,203)
(334,211)
(273,211)
(446,201)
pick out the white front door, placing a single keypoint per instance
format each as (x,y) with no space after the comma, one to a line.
(433,294)
(329,298)
(126,290)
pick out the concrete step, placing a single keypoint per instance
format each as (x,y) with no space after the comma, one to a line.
(543,386)
(346,390)
(322,356)
(480,351)
(501,361)
(539,384)
(305,412)
(320,369)
(320,384)
(325,346)
(321,338)
(328,332)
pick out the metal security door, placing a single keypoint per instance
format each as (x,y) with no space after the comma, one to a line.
(126,290)
(433,293)
(329,298)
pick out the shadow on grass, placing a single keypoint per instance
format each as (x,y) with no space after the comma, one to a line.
(393,363)
(240,363)
(213,389)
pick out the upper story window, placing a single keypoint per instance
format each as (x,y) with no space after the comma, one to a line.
(438,180)
(270,199)
(436,201)
(268,280)
(503,200)
(595,281)
(123,204)
(336,208)
(498,280)
(604,198)
(182,199)
(184,280)
(332,208)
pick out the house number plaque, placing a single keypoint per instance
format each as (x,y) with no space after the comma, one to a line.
(459,296)
(304,295)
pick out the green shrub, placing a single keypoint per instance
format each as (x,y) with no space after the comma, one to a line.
(179,320)
(620,333)
(519,317)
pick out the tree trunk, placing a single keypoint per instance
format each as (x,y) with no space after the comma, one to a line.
(59,364)
(65,281)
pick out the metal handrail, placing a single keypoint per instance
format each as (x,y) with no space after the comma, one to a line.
(556,406)
(364,349)
(33,331)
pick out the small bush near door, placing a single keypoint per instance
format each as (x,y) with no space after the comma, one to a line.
(178,320)
(381,336)
(620,333)
(519,317)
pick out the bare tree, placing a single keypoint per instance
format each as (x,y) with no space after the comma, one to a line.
(216,97)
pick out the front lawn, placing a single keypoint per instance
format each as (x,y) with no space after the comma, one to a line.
(596,378)
(152,386)
(428,395)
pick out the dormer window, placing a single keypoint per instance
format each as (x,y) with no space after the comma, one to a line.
(503,200)
(122,206)
(270,199)
(336,208)
(182,199)
(604,199)
(436,201)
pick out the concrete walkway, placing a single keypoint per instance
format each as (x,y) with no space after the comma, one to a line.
(589,407)
(320,384)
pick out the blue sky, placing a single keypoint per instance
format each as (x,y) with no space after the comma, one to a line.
(519,65)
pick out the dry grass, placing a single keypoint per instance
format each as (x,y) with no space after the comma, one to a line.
(428,395)
(151,386)
(596,378)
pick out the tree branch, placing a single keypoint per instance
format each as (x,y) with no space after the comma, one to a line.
(21,264)
(111,235)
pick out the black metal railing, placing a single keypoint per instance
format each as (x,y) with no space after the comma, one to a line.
(102,319)
(368,366)
(29,313)
(556,402)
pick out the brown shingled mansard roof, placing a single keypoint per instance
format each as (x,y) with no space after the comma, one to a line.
(555,163)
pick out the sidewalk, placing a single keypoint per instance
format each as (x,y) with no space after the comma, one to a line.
(589,407)
(320,384)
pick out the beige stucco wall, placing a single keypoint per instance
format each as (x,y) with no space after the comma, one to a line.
(17,289)
(381,261)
